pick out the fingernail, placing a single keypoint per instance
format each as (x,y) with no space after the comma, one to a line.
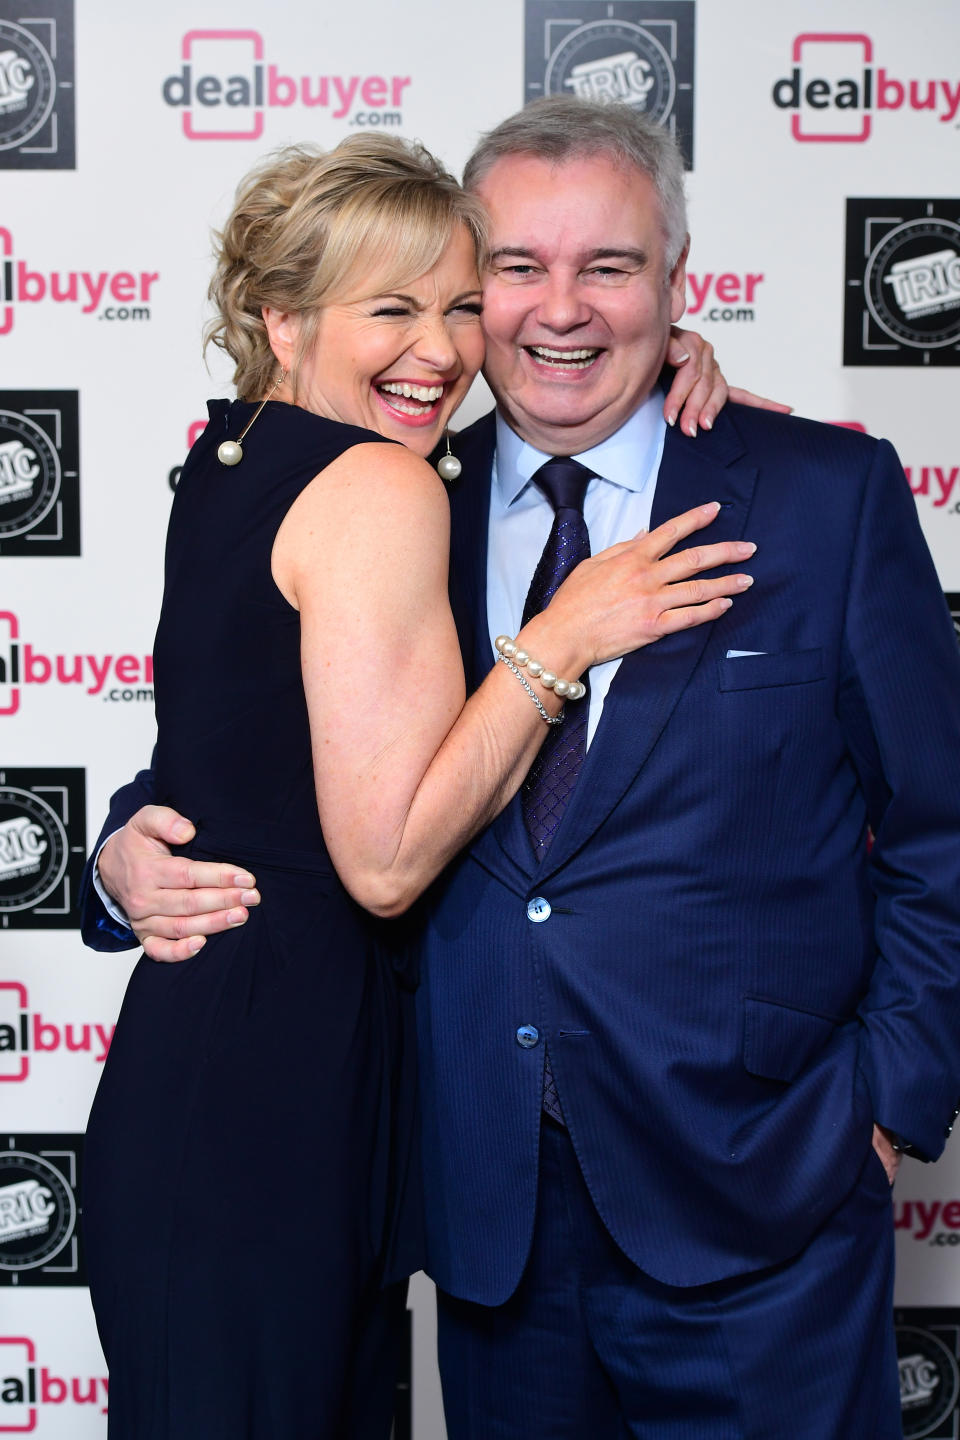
(182,830)
(725,604)
(250,897)
(672,418)
(746,547)
(707,424)
(243,878)
(196,943)
(692,429)
(682,358)
(744,581)
(712,508)
(236,917)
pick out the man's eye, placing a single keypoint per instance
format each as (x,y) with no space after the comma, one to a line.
(518,270)
(604,270)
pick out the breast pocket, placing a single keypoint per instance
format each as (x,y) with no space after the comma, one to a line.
(757,672)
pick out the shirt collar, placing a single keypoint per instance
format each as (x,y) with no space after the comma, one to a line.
(625,458)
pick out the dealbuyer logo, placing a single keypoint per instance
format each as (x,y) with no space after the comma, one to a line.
(225,86)
(834,89)
(93,291)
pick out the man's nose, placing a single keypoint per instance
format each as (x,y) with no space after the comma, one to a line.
(561,306)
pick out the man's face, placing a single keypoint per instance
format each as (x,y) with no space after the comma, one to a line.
(577,305)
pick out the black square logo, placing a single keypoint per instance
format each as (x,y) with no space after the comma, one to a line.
(639,54)
(43,831)
(40,1240)
(39,472)
(902,300)
(928,1354)
(37,107)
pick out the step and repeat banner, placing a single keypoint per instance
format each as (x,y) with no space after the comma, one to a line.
(823,144)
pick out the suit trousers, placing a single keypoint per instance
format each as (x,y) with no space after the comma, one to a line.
(589,1346)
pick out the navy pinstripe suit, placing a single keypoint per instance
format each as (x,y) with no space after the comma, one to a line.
(731,987)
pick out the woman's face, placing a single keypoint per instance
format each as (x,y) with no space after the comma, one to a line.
(399,363)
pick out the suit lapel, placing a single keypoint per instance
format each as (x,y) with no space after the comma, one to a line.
(469,527)
(649,682)
(504,848)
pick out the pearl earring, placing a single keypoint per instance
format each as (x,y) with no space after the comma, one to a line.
(448,466)
(231,451)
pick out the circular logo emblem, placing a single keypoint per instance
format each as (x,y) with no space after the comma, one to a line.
(29,474)
(28,85)
(912,283)
(614,60)
(929,1381)
(33,849)
(37,1211)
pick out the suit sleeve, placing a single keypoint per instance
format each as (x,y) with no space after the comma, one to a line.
(98,929)
(900,707)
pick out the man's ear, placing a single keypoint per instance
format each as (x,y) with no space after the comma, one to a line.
(678,284)
(283,332)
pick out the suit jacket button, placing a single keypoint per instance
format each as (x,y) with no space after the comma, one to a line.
(538,910)
(528,1036)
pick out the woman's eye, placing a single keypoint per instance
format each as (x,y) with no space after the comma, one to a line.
(390,310)
(469,307)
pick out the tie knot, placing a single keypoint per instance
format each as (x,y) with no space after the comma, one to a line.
(564,482)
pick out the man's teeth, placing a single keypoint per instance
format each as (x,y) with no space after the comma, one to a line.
(426,393)
(564,359)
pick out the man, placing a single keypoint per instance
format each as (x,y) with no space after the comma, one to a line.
(662,1026)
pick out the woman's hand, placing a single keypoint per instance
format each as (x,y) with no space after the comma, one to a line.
(635,593)
(699,391)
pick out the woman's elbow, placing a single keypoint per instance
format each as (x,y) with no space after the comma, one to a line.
(384,894)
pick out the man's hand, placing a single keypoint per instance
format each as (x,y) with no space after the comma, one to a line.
(699,391)
(171,902)
(891,1158)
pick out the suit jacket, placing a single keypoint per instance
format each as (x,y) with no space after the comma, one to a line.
(732,986)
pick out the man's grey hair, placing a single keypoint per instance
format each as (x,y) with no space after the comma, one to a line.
(557,128)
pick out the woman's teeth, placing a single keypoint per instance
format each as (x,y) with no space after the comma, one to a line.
(563,359)
(428,395)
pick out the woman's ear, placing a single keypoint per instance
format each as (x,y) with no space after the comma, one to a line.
(283,332)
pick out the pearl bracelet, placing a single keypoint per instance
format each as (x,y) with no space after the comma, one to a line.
(566,689)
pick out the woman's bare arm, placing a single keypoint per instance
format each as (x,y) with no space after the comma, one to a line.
(405,772)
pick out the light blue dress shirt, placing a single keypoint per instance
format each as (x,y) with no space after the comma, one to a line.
(616,507)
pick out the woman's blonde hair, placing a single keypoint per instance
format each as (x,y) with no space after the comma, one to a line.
(307,226)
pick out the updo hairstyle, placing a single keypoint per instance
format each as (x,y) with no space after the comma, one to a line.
(309,227)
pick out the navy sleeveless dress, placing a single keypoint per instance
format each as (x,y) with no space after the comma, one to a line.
(252,1193)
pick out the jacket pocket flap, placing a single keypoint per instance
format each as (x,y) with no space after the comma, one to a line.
(789,667)
(779,1040)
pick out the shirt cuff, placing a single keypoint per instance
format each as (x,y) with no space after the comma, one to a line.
(109,904)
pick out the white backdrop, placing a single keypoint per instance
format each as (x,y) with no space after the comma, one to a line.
(825,146)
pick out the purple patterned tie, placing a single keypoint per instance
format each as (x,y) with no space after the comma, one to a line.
(552,776)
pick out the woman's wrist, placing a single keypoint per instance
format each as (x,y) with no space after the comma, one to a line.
(519,659)
(554,646)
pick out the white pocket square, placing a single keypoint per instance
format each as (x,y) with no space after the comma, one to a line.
(739,654)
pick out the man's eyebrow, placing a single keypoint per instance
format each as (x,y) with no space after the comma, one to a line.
(502,250)
(614,252)
(620,252)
